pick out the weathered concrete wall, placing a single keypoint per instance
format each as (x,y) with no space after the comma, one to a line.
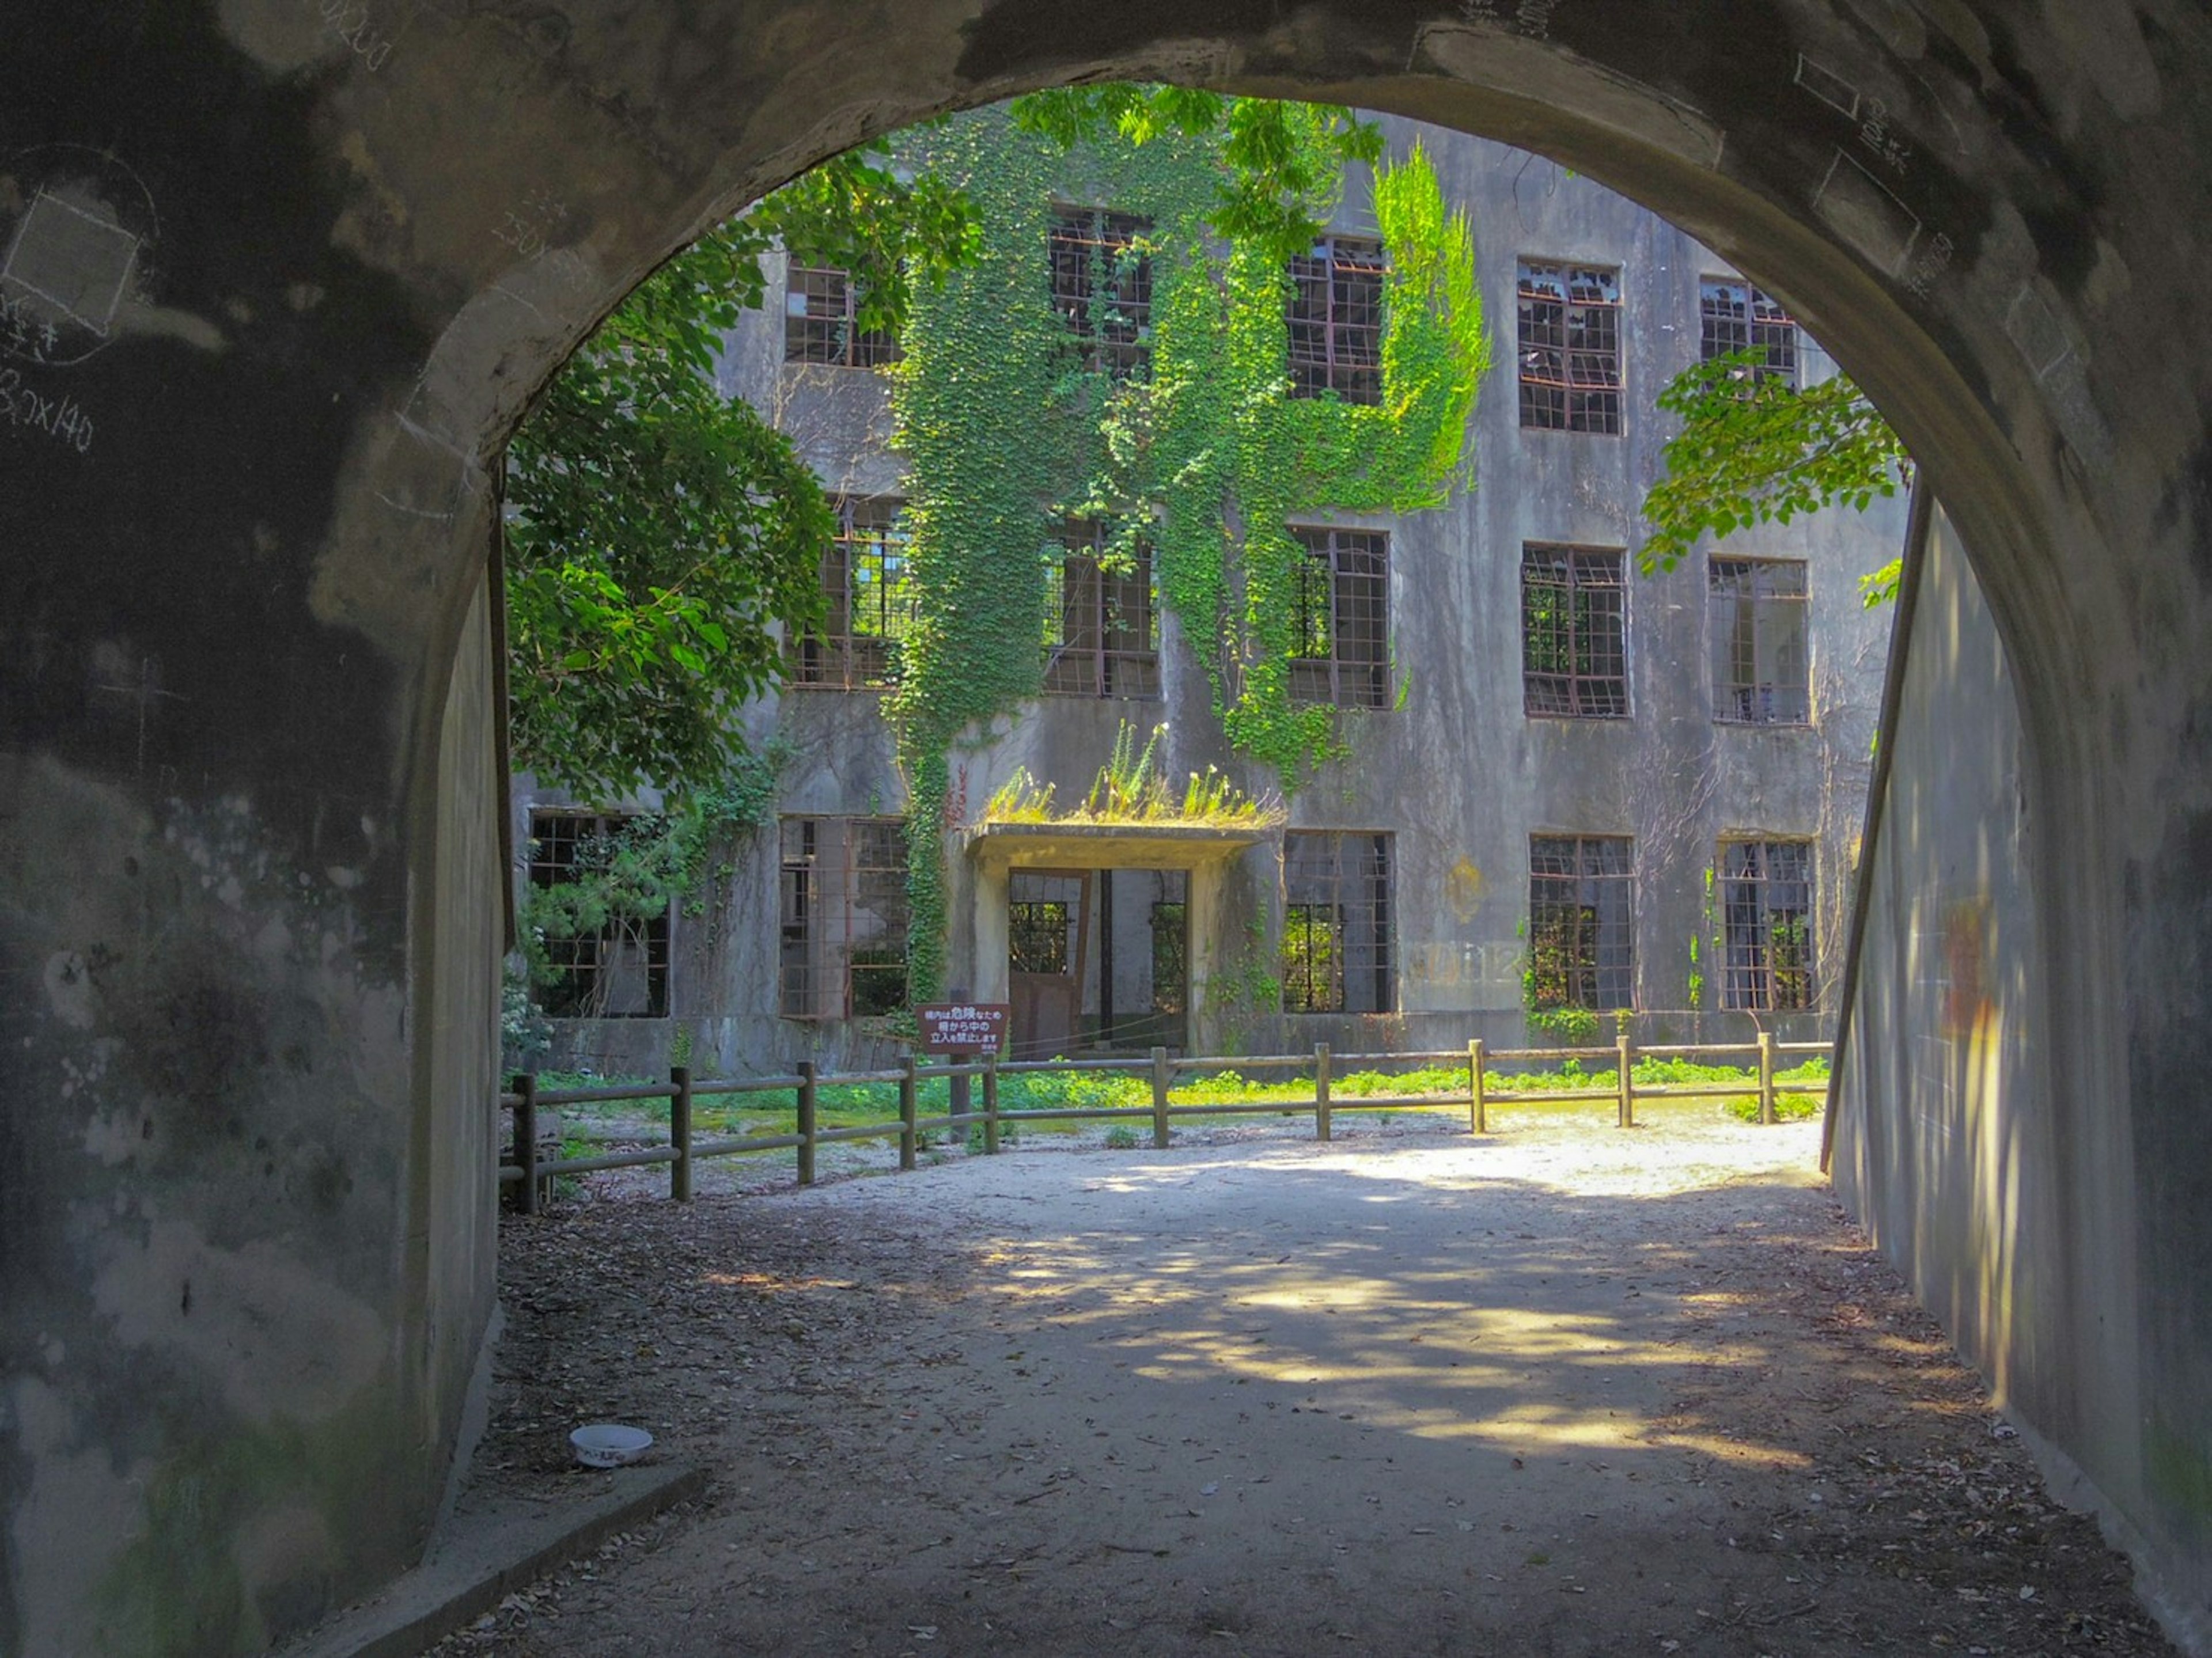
(304,271)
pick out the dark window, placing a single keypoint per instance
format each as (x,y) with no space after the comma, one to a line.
(1574,655)
(867,601)
(1102,629)
(1341,637)
(1335,319)
(843,913)
(620,971)
(1762,672)
(1767,905)
(821,321)
(1581,921)
(1735,316)
(1336,924)
(1040,932)
(1101,286)
(1570,341)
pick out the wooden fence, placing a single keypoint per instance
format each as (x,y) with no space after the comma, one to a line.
(684,1150)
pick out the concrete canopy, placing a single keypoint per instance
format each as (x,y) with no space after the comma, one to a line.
(280,276)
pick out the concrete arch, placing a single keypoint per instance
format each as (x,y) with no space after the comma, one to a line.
(279,277)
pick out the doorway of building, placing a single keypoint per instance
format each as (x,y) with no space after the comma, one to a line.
(1097,959)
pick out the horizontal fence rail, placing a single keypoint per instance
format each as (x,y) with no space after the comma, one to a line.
(1482,1090)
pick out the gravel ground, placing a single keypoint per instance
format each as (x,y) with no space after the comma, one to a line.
(1562,1389)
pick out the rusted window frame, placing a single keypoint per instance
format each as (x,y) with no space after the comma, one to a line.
(1352,903)
(821,321)
(1747,614)
(585,962)
(1582,908)
(1751,979)
(1333,318)
(1102,625)
(1344,580)
(1101,271)
(1574,666)
(864,574)
(834,888)
(1736,315)
(1568,320)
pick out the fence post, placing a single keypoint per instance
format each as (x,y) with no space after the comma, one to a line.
(526,1136)
(679,1131)
(990,1103)
(806,1122)
(1323,1129)
(1478,1114)
(1766,1076)
(906,1096)
(1627,1086)
(1160,1074)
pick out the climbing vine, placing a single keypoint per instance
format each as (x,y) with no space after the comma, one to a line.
(1008,431)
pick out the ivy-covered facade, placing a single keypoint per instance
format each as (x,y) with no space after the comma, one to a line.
(1360,533)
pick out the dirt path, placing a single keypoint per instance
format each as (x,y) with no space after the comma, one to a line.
(1566,1390)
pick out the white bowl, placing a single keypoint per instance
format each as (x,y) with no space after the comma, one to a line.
(609,1444)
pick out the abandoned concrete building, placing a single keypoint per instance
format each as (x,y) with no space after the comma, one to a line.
(1657,778)
(274,295)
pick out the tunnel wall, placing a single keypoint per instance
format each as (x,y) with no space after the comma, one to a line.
(277,279)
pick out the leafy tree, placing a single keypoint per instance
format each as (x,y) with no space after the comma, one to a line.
(655,528)
(1754,449)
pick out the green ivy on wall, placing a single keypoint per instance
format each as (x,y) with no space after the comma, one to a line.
(1008,432)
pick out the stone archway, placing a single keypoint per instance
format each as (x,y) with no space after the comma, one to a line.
(281,275)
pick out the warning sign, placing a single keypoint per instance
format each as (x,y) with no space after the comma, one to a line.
(961,1027)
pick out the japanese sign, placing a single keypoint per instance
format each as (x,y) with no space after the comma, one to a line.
(961,1027)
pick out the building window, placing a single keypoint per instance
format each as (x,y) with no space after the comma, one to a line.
(619,971)
(821,321)
(844,917)
(1570,341)
(1102,628)
(1336,924)
(1102,287)
(1574,655)
(1582,950)
(1340,633)
(867,600)
(1735,316)
(1766,907)
(1335,319)
(1762,672)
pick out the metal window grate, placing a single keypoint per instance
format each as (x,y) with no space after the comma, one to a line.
(1335,321)
(1767,905)
(1102,287)
(821,321)
(1581,950)
(1570,347)
(620,971)
(1341,637)
(867,601)
(843,913)
(1102,629)
(1574,651)
(1735,316)
(1756,614)
(1336,947)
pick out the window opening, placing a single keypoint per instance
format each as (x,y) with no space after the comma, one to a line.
(1767,901)
(1335,319)
(1757,617)
(1102,628)
(867,600)
(620,971)
(1336,923)
(1582,950)
(1341,646)
(1574,651)
(1570,347)
(1735,316)
(1102,287)
(821,321)
(843,906)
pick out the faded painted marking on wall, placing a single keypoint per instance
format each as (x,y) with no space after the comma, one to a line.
(77,252)
(1867,214)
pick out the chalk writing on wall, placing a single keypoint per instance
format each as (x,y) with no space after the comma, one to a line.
(76,254)
(26,408)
